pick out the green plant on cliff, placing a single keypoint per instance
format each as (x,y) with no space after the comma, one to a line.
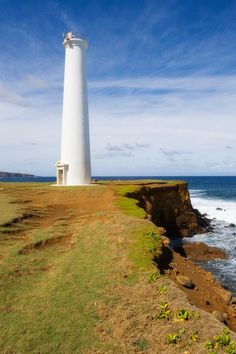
(231,349)
(223,341)
(165,311)
(162,289)
(174,338)
(152,278)
(209,345)
(195,336)
(183,315)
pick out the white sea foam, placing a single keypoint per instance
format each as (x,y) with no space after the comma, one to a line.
(222,236)
(214,208)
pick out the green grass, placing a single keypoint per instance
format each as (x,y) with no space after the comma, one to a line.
(57,230)
(147,243)
(146,246)
(50,298)
(129,205)
(55,311)
(139,182)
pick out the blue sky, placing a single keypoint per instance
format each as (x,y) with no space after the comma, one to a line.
(161,81)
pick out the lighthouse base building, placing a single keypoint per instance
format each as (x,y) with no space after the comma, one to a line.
(74,166)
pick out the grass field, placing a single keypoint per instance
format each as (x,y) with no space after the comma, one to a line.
(78,274)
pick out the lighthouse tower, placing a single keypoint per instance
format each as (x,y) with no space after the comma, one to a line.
(74,169)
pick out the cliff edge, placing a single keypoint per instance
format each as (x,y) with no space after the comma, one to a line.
(169,206)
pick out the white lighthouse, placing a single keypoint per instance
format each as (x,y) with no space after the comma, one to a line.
(74,166)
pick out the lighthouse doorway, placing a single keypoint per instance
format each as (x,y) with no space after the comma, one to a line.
(60,177)
(61,173)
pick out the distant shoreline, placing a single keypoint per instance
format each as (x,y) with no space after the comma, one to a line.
(14,174)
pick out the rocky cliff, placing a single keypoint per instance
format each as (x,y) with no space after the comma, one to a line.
(169,206)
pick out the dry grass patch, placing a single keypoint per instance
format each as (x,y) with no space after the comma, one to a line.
(100,296)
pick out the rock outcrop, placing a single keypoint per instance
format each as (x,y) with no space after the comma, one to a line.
(169,206)
(199,251)
(185,281)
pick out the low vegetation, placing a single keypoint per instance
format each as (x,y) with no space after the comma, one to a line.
(221,341)
(162,289)
(80,276)
(129,205)
(174,338)
(147,246)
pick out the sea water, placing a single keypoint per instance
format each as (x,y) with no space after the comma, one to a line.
(213,196)
(216,197)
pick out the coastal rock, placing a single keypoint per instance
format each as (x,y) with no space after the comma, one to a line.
(170,207)
(225,315)
(185,281)
(203,221)
(219,209)
(199,251)
(230,225)
(175,271)
(226,296)
(218,315)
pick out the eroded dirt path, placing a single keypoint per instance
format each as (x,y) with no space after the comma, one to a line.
(41,208)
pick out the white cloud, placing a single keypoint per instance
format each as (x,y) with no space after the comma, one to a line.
(162,108)
(128,128)
(193,117)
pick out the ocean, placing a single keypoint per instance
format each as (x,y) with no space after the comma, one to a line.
(216,196)
(213,196)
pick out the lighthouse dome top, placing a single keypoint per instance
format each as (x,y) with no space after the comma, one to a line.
(73,38)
